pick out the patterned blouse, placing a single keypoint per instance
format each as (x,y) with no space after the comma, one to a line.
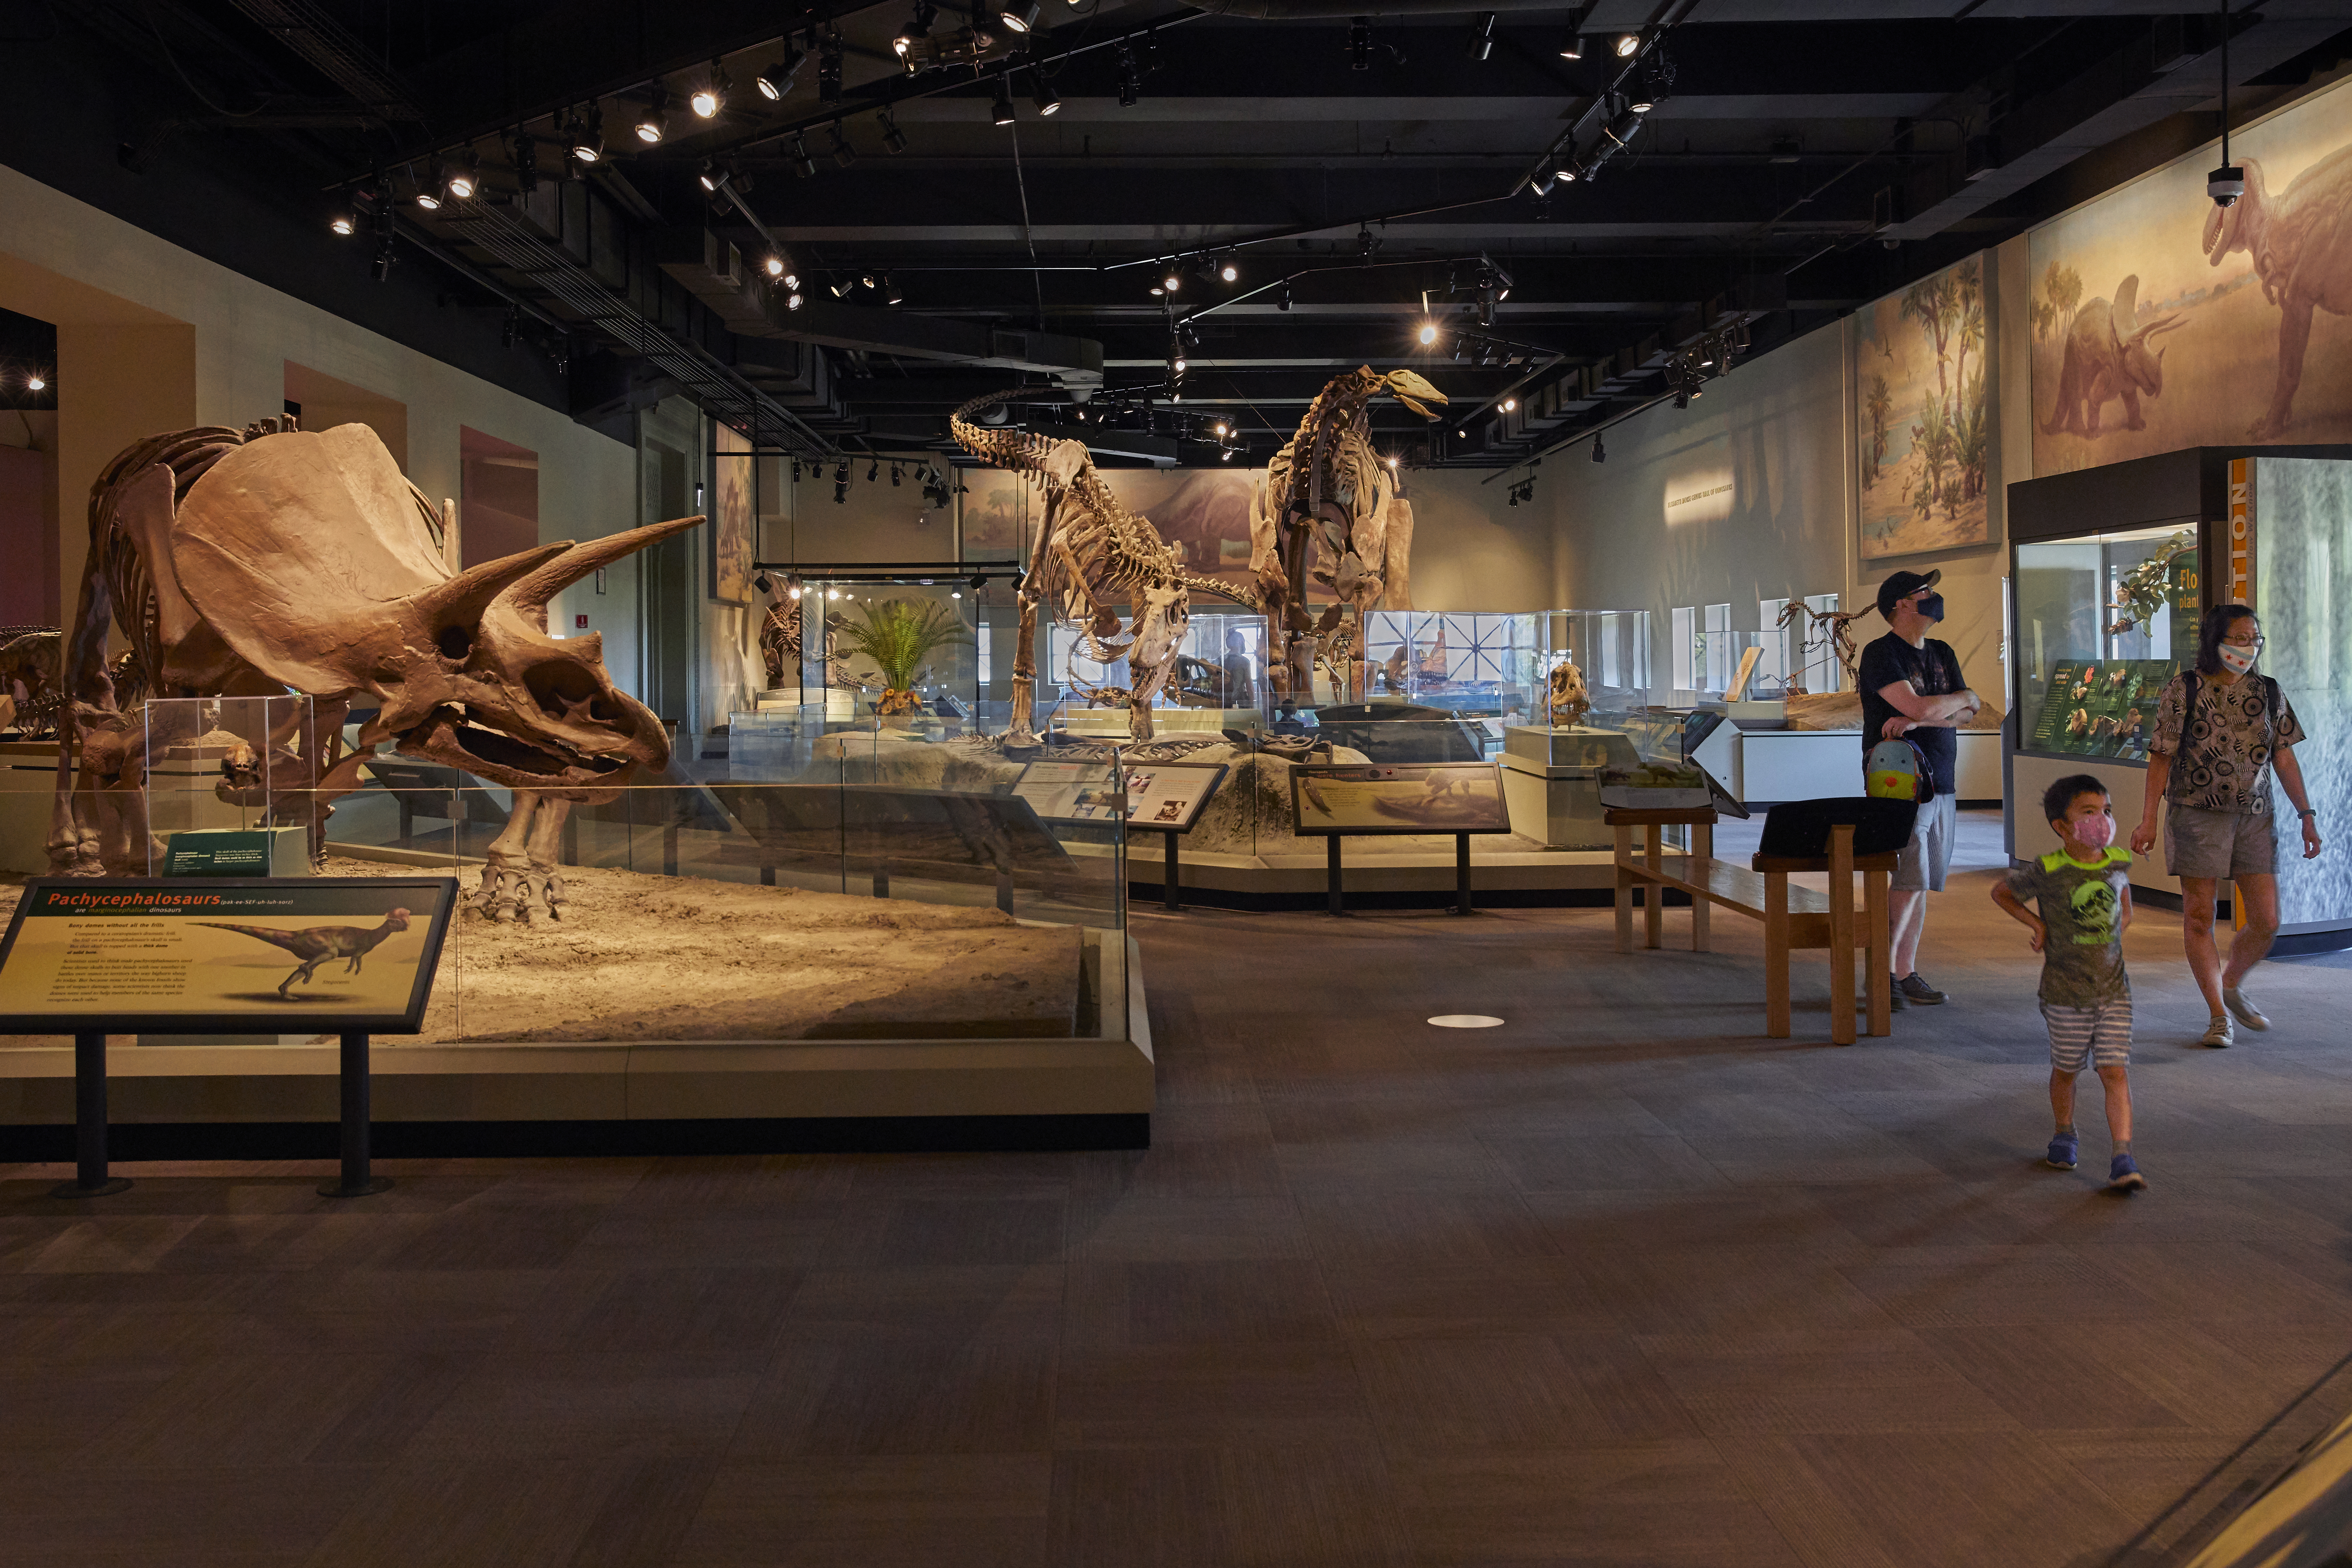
(2223,757)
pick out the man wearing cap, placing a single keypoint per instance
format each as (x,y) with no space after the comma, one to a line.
(1912,689)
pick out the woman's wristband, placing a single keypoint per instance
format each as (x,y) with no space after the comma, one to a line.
(2306,814)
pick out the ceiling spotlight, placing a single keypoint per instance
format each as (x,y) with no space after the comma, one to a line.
(1282,299)
(1043,95)
(1628,45)
(1171,280)
(709,176)
(1230,270)
(1360,44)
(843,152)
(840,286)
(1226,456)
(1481,35)
(777,80)
(654,122)
(890,295)
(873,471)
(1020,16)
(36,382)
(1642,103)
(1428,333)
(345,222)
(793,300)
(711,96)
(1001,111)
(1600,452)
(428,195)
(464,176)
(1510,406)
(894,141)
(1221,429)
(802,164)
(1572,47)
(587,138)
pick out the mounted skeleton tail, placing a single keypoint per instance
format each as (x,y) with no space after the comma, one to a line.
(1091,555)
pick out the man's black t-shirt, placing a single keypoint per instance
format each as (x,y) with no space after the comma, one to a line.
(1934,670)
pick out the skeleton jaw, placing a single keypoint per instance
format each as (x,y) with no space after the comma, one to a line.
(446,736)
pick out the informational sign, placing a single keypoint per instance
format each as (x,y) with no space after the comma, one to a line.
(1166,797)
(239,852)
(1404,798)
(344,955)
(2106,709)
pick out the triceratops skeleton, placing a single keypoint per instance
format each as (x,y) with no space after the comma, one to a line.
(1091,555)
(276,560)
(1328,486)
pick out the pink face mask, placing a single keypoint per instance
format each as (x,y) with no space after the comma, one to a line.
(2097,832)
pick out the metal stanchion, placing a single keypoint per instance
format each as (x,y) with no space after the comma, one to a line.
(1170,898)
(1331,875)
(356,1181)
(90,1180)
(1461,873)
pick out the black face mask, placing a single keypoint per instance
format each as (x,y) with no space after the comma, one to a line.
(1932,606)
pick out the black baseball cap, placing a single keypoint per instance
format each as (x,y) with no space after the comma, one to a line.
(1901,585)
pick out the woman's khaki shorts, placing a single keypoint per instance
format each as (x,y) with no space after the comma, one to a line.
(2219,845)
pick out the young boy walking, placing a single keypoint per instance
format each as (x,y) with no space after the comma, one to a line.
(2083,893)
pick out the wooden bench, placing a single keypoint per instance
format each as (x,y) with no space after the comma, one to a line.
(1793,917)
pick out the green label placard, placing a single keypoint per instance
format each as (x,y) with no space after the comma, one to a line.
(218,853)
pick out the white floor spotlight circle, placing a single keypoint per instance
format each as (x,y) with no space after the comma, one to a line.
(1466,1021)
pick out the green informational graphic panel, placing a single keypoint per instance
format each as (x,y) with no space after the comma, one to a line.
(1431,797)
(2100,709)
(338,955)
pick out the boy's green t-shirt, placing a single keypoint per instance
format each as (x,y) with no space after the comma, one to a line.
(2082,906)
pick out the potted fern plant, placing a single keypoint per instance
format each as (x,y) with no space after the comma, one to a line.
(898,634)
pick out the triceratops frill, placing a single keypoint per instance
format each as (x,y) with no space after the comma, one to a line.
(273,560)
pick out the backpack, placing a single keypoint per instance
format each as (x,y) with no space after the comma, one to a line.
(1897,770)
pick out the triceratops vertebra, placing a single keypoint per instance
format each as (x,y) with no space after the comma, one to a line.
(2107,356)
(272,560)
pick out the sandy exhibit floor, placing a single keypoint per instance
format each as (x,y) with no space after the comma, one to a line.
(640,957)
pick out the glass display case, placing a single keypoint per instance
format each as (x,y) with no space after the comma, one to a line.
(2101,622)
(1218,682)
(1476,665)
(227,782)
(1609,647)
(1748,667)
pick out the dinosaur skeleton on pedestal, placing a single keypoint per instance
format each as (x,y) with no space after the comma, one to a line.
(273,560)
(1328,486)
(1091,555)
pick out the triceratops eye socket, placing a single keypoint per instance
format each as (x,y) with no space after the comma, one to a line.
(455,642)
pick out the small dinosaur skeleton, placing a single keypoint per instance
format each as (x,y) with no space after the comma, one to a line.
(28,658)
(315,945)
(782,646)
(1091,555)
(1825,629)
(1327,486)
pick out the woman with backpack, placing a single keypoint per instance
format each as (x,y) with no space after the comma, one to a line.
(2221,731)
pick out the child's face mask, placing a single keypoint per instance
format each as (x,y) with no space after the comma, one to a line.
(2095,832)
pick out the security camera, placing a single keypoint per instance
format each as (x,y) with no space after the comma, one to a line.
(2226,185)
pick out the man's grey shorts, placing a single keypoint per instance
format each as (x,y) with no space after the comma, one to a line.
(1921,865)
(2219,844)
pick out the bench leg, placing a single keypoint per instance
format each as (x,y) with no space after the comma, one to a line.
(1702,853)
(1776,956)
(1653,895)
(1624,890)
(1842,995)
(1882,959)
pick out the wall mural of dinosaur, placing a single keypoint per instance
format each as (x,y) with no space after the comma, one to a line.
(271,560)
(2250,300)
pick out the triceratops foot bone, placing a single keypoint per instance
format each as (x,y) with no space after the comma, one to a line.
(514,888)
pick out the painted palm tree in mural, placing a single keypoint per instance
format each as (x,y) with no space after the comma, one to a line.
(1878,403)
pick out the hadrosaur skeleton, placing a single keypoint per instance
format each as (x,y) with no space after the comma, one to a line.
(1327,486)
(276,560)
(1091,555)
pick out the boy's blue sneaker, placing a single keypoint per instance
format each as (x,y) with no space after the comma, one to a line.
(2124,1176)
(2063,1151)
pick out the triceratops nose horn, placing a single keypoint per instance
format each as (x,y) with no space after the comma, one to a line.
(466,595)
(573,562)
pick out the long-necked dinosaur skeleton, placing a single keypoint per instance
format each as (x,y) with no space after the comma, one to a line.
(276,560)
(1091,555)
(1328,486)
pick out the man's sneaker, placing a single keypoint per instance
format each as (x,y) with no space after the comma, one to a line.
(1896,1000)
(2123,1175)
(2064,1148)
(2248,1013)
(1918,991)
(2217,1032)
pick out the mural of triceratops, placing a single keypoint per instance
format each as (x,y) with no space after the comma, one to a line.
(275,560)
(2110,354)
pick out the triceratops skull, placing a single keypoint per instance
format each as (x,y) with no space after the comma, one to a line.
(308,555)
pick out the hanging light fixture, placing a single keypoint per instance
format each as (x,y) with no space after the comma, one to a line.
(710,97)
(1001,109)
(828,68)
(1043,95)
(802,164)
(345,222)
(1628,45)
(587,138)
(894,141)
(1020,16)
(428,195)
(1481,35)
(654,123)
(843,152)
(777,80)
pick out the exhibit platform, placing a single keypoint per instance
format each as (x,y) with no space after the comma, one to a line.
(1091,1089)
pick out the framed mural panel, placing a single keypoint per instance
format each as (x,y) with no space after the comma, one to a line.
(1205,513)
(1923,415)
(2161,320)
(729,528)
(991,515)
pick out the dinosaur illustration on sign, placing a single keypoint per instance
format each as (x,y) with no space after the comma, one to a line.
(315,945)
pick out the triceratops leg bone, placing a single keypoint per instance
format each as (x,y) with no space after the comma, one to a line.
(518,873)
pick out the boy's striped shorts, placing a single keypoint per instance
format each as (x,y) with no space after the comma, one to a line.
(2086,1037)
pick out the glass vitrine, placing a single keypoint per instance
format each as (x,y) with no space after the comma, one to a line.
(2102,623)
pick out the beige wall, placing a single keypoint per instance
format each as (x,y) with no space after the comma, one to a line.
(152,338)
(1472,551)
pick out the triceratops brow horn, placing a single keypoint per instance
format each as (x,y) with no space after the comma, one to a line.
(530,594)
(466,595)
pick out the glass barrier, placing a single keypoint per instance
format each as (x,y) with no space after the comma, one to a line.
(2103,623)
(1611,649)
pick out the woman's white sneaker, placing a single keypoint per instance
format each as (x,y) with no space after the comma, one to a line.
(2248,1013)
(2217,1032)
